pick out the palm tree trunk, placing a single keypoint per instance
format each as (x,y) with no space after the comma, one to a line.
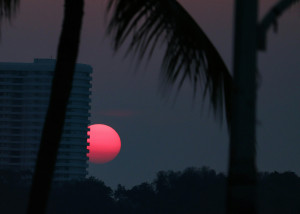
(241,190)
(54,123)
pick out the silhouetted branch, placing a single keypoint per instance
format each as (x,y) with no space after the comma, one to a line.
(271,19)
(8,8)
(189,53)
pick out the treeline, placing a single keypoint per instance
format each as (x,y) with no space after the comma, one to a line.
(194,190)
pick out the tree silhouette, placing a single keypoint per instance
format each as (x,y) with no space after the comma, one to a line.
(271,19)
(8,8)
(60,91)
(242,172)
(61,87)
(250,35)
(189,53)
(89,196)
(191,191)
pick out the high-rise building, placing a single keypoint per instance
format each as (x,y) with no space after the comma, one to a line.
(24,97)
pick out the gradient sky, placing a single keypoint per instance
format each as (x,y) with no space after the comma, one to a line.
(159,132)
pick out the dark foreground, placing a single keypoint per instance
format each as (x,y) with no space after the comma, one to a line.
(191,191)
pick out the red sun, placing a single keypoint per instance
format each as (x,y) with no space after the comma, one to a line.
(104,143)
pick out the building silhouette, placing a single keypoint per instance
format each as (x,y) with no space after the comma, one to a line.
(24,96)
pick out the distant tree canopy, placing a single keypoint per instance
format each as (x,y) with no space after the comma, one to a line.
(194,190)
(190,191)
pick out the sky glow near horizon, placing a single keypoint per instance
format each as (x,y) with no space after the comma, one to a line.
(157,132)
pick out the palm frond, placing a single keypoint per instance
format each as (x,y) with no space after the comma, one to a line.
(271,18)
(8,8)
(189,53)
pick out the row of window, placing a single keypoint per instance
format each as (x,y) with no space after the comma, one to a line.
(22,115)
(10,160)
(35,83)
(76,117)
(18,153)
(36,109)
(19,138)
(39,73)
(74,132)
(11,80)
(24,94)
(41,109)
(25,72)
(78,96)
(23,153)
(25,130)
(21,124)
(24,101)
(33,142)
(19,145)
(77,102)
(61,160)
(67,168)
(25,87)
(81,81)
(82,152)
(36,137)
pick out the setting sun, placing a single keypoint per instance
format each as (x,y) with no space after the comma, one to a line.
(104,143)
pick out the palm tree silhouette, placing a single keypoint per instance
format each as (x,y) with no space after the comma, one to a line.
(61,87)
(242,171)
(67,52)
(188,48)
(189,53)
(8,8)
(250,36)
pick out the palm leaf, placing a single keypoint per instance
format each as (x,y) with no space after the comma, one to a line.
(8,8)
(271,18)
(189,53)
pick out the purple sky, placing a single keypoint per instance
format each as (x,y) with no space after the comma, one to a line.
(156,132)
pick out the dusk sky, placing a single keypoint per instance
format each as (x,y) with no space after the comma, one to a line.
(161,131)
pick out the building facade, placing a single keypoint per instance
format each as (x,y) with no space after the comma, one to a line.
(24,96)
